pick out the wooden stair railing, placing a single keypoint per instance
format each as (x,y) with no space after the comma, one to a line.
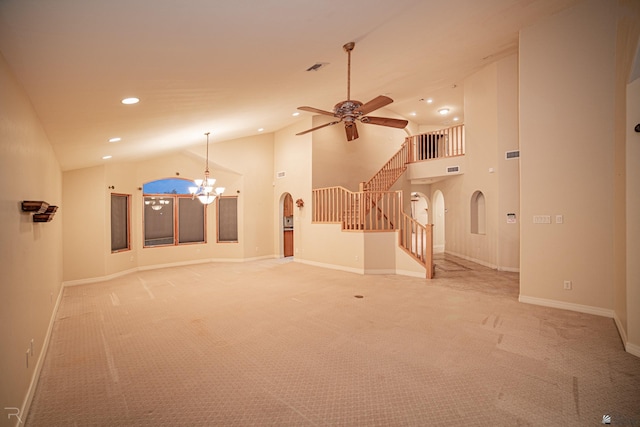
(417,240)
(365,211)
(375,208)
(389,173)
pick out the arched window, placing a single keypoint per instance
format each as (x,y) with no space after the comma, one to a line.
(478,213)
(171,215)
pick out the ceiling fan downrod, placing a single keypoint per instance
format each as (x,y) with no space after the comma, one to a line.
(348,48)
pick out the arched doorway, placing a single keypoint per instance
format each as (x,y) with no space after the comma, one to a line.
(420,208)
(438,222)
(286,203)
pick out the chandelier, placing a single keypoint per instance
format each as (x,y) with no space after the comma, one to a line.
(156,205)
(204,187)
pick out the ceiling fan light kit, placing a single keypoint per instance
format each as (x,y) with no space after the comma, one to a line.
(351,111)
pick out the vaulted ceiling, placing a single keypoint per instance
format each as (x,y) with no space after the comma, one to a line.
(233,67)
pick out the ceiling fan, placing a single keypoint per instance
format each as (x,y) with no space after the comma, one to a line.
(350,111)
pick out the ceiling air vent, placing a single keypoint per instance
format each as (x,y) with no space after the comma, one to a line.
(281,174)
(453,169)
(317,66)
(512,154)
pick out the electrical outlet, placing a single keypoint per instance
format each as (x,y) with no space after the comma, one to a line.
(567,285)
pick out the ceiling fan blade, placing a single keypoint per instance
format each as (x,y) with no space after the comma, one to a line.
(385,121)
(352,131)
(374,104)
(316,110)
(318,127)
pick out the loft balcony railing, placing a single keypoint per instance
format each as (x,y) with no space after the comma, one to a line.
(449,142)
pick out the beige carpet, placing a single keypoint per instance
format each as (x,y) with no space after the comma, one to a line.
(285,344)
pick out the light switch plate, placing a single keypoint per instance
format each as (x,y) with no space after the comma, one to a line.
(542,219)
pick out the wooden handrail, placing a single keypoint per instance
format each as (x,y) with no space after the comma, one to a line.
(448,142)
(417,240)
(389,173)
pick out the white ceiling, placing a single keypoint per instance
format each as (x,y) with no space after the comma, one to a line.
(231,67)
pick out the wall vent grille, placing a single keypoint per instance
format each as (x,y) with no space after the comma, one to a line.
(317,66)
(453,169)
(281,174)
(512,154)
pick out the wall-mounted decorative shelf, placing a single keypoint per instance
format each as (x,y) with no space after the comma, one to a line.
(42,211)
(46,216)
(36,207)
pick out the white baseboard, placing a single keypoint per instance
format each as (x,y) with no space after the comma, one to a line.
(409,273)
(477,261)
(629,347)
(382,271)
(330,266)
(588,309)
(159,266)
(362,271)
(621,331)
(485,263)
(632,349)
(26,405)
(259,258)
(99,279)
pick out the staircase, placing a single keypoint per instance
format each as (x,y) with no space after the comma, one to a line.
(375,208)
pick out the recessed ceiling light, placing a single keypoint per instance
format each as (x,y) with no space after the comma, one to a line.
(106,157)
(260,130)
(443,111)
(455,119)
(116,139)
(296,114)
(413,113)
(429,101)
(129,101)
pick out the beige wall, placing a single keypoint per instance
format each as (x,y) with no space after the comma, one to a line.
(292,155)
(481,136)
(380,252)
(243,167)
(508,256)
(30,253)
(632,299)
(491,123)
(338,162)
(85,244)
(252,158)
(566,139)
(626,161)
